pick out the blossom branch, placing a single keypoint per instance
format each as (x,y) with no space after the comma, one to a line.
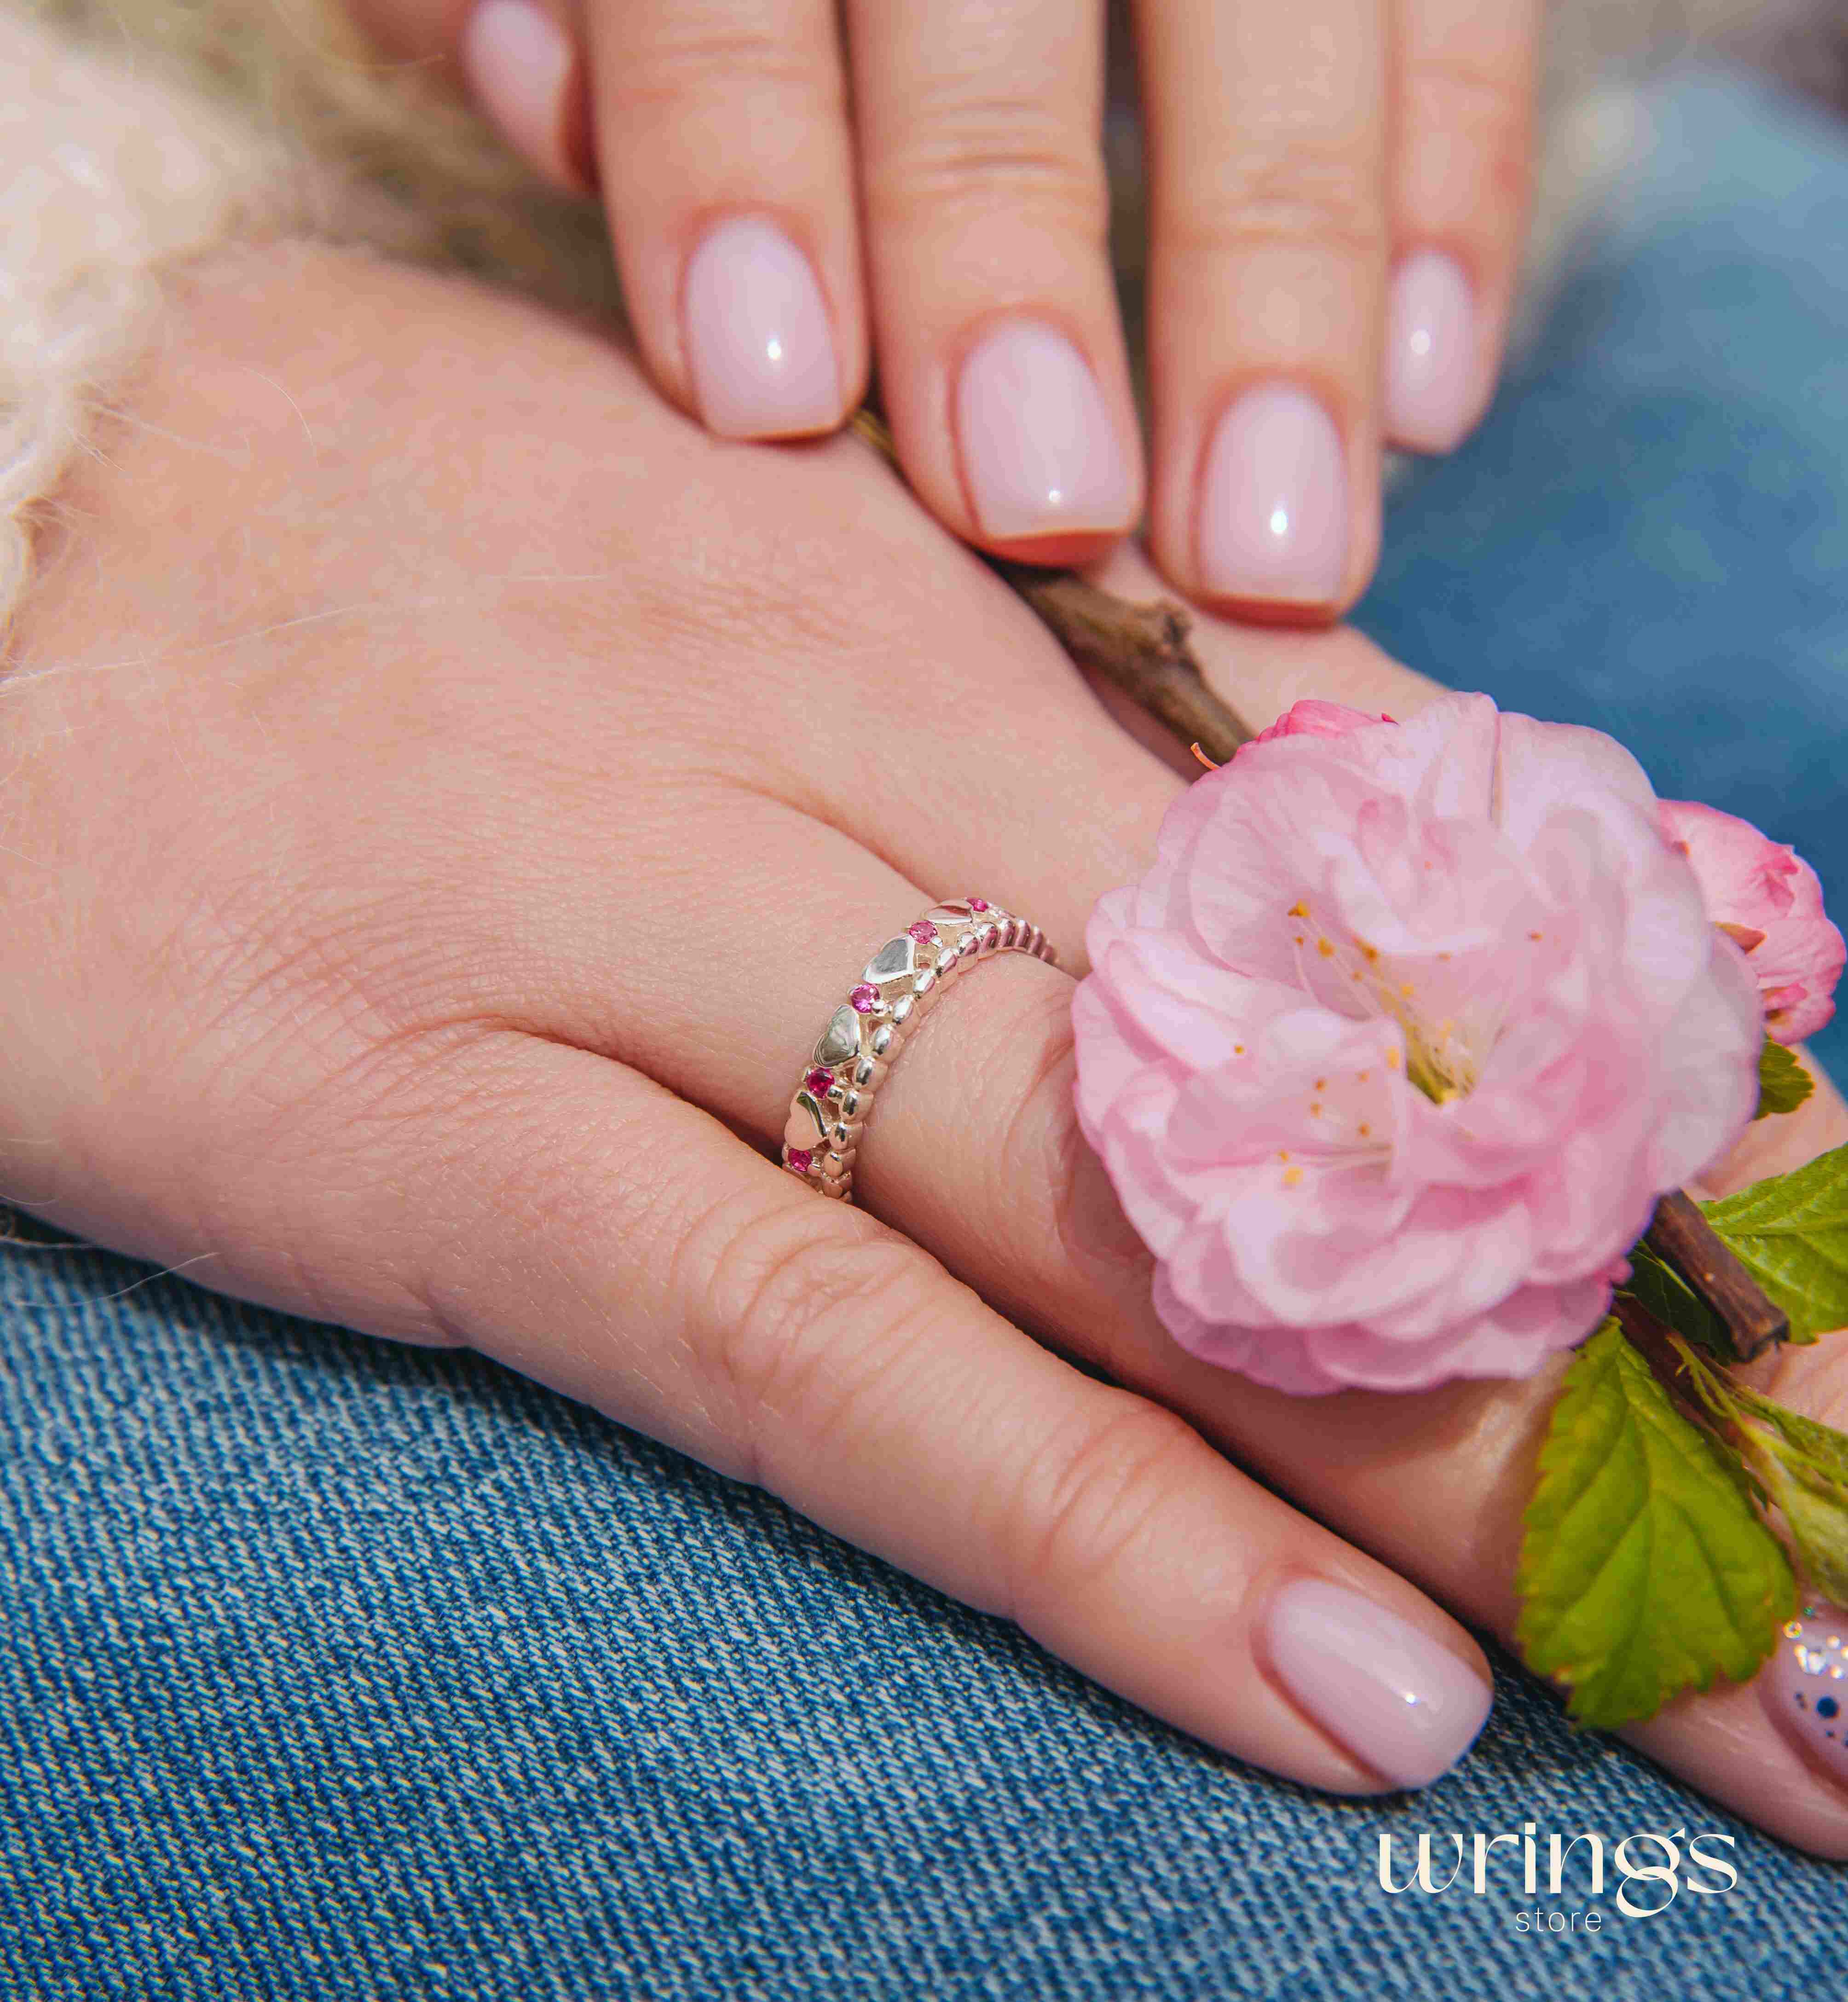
(1141,649)
(1682,1236)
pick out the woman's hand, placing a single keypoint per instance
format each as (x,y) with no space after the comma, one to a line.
(450,792)
(1337,194)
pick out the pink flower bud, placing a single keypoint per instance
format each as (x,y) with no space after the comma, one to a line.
(1766,899)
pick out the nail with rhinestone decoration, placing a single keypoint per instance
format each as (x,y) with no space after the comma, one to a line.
(1805,1684)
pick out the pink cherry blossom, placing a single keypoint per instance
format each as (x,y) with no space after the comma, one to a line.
(1767,900)
(1392,1050)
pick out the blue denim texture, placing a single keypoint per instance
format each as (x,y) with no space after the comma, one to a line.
(337,1671)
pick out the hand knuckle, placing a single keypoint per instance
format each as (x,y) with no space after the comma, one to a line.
(790,1304)
(1470,122)
(1087,1499)
(1454,91)
(1292,191)
(981,154)
(699,54)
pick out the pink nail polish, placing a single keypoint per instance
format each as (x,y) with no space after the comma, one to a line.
(518,62)
(758,336)
(1396,1699)
(1804,1685)
(1038,447)
(1273,522)
(1431,353)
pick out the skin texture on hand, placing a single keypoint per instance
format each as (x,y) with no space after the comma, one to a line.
(451,790)
(796,192)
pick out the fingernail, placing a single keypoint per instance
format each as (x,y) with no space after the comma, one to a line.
(1805,1684)
(1431,353)
(1273,501)
(1398,1700)
(758,336)
(1038,446)
(518,62)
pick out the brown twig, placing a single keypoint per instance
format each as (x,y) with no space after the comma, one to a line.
(1683,1236)
(1649,1338)
(1143,650)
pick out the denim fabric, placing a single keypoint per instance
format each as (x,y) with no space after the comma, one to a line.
(336,1670)
(331,1670)
(1650,534)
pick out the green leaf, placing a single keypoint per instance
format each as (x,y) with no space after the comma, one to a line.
(1791,1231)
(1656,1284)
(1798,1465)
(1804,1465)
(1644,1569)
(1783,1083)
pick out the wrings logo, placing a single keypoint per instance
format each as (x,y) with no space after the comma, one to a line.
(1649,1871)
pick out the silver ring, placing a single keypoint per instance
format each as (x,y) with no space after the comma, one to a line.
(851,1056)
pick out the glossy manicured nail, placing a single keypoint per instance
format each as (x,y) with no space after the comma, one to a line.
(1804,1685)
(518,63)
(1273,524)
(1039,450)
(1431,353)
(1396,1698)
(758,336)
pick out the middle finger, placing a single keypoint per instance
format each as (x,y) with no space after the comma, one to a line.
(1268,237)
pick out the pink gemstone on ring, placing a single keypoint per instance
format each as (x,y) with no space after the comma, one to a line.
(923,931)
(800,1160)
(864,999)
(978,904)
(819,1082)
